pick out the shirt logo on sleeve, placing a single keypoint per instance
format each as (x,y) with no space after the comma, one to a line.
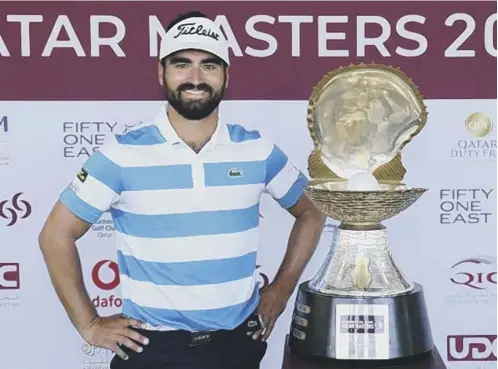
(235,173)
(82,175)
(75,187)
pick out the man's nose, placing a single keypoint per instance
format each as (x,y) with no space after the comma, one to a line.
(195,75)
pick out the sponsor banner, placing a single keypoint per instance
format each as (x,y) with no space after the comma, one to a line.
(9,276)
(14,210)
(10,284)
(472,283)
(105,276)
(84,138)
(478,145)
(104,227)
(466,206)
(472,348)
(112,47)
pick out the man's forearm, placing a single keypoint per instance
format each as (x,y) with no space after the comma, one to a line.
(64,266)
(302,243)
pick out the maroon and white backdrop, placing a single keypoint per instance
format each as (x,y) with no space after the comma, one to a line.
(71,73)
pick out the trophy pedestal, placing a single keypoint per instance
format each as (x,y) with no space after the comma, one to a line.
(430,360)
(360,328)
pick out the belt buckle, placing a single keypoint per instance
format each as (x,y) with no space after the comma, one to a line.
(199,338)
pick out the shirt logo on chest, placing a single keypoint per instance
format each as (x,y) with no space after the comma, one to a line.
(235,173)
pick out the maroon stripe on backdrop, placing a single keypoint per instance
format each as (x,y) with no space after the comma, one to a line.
(448,48)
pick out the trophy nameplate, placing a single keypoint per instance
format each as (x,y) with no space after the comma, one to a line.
(360,305)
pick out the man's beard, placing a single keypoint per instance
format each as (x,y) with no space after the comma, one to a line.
(194,109)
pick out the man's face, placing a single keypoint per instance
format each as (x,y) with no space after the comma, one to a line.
(194,83)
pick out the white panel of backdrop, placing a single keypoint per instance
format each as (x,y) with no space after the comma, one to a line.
(446,240)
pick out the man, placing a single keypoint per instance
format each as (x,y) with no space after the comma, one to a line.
(184,192)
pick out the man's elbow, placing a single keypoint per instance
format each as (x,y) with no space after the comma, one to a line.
(61,228)
(49,237)
(44,237)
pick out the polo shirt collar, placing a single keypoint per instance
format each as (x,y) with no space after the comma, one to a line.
(220,135)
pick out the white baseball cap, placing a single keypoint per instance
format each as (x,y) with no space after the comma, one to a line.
(195,33)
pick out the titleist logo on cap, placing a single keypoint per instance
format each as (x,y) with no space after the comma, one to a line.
(195,29)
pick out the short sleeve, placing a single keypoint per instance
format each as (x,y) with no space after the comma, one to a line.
(284,182)
(95,187)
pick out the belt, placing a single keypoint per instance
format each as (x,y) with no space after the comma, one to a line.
(200,338)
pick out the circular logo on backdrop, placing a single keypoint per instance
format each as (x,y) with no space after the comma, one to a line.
(106,285)
(479,124)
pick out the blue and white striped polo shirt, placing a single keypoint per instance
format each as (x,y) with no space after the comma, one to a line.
(186,223)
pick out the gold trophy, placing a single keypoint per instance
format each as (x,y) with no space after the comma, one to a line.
(360,305)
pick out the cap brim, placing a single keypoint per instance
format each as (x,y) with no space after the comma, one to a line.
(167,51)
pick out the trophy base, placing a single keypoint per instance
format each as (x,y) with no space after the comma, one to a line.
(360,328)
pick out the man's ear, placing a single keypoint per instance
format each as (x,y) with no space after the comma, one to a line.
(227,74)
(160,73)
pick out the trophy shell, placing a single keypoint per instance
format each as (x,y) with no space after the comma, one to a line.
(360,117)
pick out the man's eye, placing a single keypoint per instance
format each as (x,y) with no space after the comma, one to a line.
(181,65)
(209,66)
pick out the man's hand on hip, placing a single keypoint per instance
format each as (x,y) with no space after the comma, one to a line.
(272,303)
(112,331)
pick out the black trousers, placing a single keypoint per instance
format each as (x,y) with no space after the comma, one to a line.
(224,349)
